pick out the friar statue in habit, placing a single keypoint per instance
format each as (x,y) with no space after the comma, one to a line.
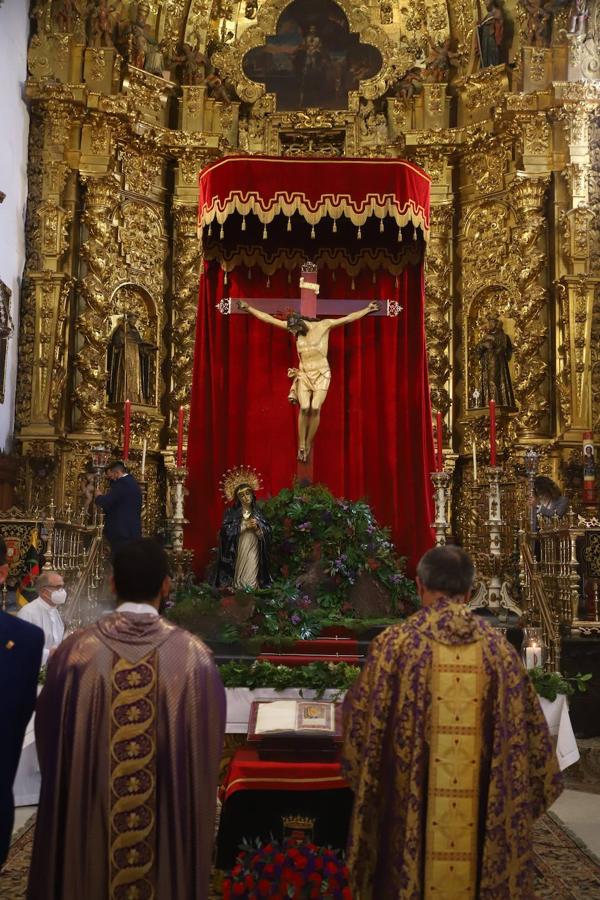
(312,377)
(495,352)
(129,358)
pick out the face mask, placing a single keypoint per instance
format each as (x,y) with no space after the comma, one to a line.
(58,597)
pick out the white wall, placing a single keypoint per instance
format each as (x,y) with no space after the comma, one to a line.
(14,127)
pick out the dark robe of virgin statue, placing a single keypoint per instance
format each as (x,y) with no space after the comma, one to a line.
(448,753)
(129,730)
(243,552)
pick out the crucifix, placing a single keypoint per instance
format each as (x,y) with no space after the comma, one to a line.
(310,381)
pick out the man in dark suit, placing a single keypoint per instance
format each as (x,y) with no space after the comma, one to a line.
(122,507)
(21,646)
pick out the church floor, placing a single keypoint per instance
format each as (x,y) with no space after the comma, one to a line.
(566,851)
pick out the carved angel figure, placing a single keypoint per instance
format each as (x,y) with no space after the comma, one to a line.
(440,61)
(539,21)
(101,23)
(193,63)
(64,13)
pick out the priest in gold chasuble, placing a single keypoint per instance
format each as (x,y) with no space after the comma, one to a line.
(448,753)
(129,728)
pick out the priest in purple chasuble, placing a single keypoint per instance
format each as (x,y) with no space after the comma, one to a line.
(129,729)
(447,751)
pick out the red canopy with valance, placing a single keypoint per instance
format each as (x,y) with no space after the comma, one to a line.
(365,223)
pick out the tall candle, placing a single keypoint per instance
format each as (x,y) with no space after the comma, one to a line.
(533,656)
(144,448)
(440,440)
(492,432)
(126,428)
(474,461)
(180,438)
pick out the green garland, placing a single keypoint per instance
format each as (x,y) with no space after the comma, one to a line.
(551,684)
(316,676)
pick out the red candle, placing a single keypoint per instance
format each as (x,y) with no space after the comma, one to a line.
(492,432)
(440,441)
(126,428)
(180,438)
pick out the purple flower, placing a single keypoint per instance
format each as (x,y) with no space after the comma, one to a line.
(306,526)
(296,619)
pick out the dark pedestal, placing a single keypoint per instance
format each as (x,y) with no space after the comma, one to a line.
(582,654)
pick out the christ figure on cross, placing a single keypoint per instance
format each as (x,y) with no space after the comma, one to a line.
(312,377)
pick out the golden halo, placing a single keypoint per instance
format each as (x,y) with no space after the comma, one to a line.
(232,479)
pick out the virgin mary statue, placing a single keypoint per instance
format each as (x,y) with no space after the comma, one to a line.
(244,536)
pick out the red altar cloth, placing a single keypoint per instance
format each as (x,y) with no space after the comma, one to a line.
(248,772)
(375,439)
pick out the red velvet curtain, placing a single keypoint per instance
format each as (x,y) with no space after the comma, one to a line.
(375,437)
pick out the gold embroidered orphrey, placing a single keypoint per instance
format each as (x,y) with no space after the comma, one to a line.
(454,764)
(132,782)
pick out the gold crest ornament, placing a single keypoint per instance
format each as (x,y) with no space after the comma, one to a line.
(233,478)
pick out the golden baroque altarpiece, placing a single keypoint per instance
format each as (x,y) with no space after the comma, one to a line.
(130,100)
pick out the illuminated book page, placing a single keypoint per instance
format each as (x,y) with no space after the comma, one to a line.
(312,716)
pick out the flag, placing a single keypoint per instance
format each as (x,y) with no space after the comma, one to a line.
(31,569)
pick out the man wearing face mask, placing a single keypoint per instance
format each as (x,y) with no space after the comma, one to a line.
(44,610)
(129,728)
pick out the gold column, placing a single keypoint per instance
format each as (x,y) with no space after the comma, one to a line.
(101,197)
(187,260)
(527,268)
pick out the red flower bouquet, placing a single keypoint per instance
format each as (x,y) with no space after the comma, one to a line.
(288,870)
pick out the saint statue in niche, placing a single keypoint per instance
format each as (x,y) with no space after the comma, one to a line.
(244,536)
(495,352)
(129,359)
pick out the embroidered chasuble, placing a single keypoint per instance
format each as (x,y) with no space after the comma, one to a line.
(448,753)
(129,728)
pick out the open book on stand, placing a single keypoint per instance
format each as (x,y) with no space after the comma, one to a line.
(284,729)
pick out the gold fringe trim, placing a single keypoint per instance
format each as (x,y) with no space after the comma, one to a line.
(332,258)
(334,206)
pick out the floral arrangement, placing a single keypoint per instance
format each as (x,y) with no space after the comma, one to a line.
(324,550)
(288,870)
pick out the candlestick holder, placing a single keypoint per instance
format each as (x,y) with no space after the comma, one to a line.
(181,557)
(441,481)
(144,489)
(494,524)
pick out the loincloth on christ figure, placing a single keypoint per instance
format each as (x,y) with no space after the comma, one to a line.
(317,380)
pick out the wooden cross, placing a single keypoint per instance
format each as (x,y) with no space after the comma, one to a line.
(308,305)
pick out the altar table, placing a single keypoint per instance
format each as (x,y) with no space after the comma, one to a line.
(239,701)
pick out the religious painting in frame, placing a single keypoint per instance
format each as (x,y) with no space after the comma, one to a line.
(313,59)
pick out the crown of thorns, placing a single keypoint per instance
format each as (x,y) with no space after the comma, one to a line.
(233,478)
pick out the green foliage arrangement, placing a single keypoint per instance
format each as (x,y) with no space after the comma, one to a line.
(316,676)
(322,548)
(551,684)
